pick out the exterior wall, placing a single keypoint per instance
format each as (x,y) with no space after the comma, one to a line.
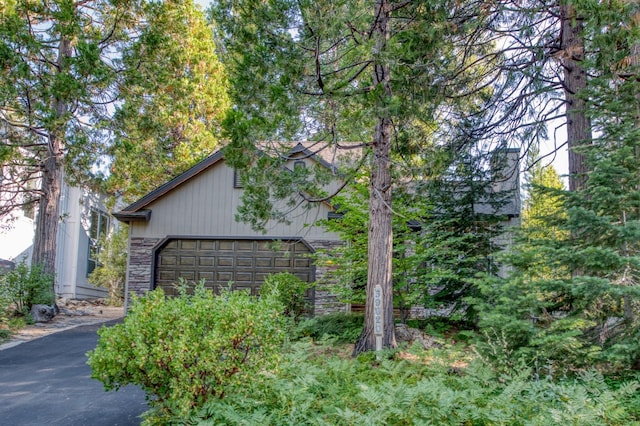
(16,238)
(140,266)
(73,244)
(325,302)
(206,206)
(505,241)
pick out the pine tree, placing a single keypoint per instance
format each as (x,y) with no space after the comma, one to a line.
(572,301)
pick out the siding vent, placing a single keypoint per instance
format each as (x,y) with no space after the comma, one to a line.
(237,181)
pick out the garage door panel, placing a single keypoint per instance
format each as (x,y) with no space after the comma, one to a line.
(167,275)
(303,277)
(244,246)
(168,260)
(246,263)
(206,275)
(267,246)
(206,260)
(260,276)
(224,245)
(207,245)
(188,244)
(282,262)
(187,275)
(264,262)
(172,245)
(246,277)
(225,262)
(224,277)
(302,263)
(187,260)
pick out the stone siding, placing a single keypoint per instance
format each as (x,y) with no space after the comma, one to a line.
(325,301)
(140,264)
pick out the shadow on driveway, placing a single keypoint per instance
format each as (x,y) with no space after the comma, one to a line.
(47,382)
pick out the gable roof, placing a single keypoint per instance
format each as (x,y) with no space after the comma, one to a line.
(137,212)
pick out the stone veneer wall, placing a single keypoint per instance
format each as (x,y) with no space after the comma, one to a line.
(325,301)
(140,264)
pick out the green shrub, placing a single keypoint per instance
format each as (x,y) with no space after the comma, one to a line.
(290,291)
(111,272)
(340,327)
(27,286)
(5,301)
(187,350)
(4,334)
(313,388)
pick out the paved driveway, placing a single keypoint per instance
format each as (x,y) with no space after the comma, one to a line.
(47,382)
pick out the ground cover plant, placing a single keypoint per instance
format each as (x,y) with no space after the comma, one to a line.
(316,384)
(222,360)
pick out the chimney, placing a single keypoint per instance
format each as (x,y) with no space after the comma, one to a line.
(505,177)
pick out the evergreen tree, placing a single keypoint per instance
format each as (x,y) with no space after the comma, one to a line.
(172,100)
(446,230)
(59,71)
(572,301)
(336,72)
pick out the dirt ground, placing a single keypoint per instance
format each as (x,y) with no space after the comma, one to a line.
(72,314)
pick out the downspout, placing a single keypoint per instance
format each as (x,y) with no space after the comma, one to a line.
(126,281)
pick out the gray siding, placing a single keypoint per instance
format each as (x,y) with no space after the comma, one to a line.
(206,206)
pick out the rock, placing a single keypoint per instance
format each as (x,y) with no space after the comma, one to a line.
(42,313)
(413,335)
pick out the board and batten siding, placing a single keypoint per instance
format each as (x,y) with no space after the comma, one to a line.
(206,206)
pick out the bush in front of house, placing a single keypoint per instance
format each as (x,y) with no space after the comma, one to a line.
(290,291)
(187,350)
(26,286)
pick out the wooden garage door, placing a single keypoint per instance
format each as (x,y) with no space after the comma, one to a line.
(244,262)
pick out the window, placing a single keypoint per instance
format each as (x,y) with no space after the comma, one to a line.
(98,229)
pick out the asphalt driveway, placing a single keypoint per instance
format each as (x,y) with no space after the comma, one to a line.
(47,382)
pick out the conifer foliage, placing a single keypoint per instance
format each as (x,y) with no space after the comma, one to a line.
(573,299)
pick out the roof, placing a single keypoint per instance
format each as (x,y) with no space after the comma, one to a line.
(137,212)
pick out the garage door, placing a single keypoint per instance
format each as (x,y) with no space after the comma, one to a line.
(244,262)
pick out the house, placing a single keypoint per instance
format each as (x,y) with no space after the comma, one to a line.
(186,229)
(83,221)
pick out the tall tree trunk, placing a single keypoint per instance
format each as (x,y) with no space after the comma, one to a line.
(575,81)
(628,300)
(380,248)
(44,245)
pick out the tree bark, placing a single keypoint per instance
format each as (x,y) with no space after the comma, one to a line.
(380,245)
(575,81)
(44,244)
